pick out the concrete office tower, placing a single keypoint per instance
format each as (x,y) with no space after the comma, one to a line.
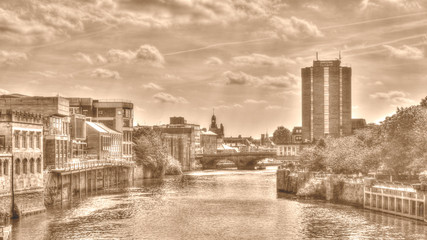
(326,100)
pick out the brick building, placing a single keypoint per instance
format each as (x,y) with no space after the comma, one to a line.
(103,142)
(114,114)
(182,141)
(21,161)
(296,136)
(56,121)
(208,142)
(326,100)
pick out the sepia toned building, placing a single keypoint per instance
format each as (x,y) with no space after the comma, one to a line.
(114,114)
(21,162)
(208,142)
(326,100)
(56,121)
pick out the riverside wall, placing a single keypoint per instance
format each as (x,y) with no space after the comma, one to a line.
(329,187)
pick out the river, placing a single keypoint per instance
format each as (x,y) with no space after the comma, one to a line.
(221,204)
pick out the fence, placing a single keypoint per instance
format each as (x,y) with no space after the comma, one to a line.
(401,201)
(93,164)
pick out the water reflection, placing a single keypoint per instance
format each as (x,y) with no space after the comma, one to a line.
(225,204)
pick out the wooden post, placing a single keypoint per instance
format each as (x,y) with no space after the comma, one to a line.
(117,177)
(62,193)
(103,178)
(80,186)
(96,181)
(86,183)
(71,187)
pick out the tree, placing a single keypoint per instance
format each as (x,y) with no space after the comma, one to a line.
(398,139)
(282,135)
(150,151)
(312,157)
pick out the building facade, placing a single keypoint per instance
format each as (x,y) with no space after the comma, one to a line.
(103,143)
(326,100)
(182,140)
(208,141)
(114,114)
(21,161)
(56,123)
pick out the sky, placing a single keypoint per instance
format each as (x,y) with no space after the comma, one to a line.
(187,57)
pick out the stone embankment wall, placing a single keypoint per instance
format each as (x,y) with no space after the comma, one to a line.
(330,187)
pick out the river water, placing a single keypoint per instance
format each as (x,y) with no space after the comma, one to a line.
(221,204)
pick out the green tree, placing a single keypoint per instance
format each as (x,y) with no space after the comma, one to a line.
(282,135)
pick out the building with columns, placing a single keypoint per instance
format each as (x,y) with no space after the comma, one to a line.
(326,100)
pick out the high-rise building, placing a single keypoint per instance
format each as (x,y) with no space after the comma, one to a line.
(326,100)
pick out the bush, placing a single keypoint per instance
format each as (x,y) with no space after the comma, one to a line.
(173,167)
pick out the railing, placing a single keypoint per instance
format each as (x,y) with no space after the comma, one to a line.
(115,100)
(93,164)
(399,200)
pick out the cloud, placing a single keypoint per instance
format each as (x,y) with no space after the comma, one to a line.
(172,77)
(288,81)
(230,106)
(213,61)
(82,57)
(163,97)
(11,58)
(397,98)
(4,91)
(52,74)
(273,107)
(145,54)
(260,60)
(105,73)
(405,52)
(292,28)
(83,87)
(253,101)
(152,86)
(45,21)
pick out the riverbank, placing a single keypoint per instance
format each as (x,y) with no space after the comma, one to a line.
(214,204)
(388,197)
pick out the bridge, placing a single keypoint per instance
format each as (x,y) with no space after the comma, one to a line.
(243,160)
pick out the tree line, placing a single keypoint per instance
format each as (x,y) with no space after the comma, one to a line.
(395,146)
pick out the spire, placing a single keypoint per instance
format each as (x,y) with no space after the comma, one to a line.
(339,56)
(317,56)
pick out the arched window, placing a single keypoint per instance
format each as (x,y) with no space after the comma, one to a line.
(39,165)
(24,166)
(6,167)
(31,165)
(17,166)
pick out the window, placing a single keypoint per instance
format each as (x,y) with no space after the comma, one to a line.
(2,142)
(17,166)
(24,166)
(6,167)
(31,142)
(24,139)
(38,140)
(39,165)
(1,167)
(31,165)
(16,140)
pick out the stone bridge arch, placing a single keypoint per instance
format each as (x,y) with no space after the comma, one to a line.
(243,160)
